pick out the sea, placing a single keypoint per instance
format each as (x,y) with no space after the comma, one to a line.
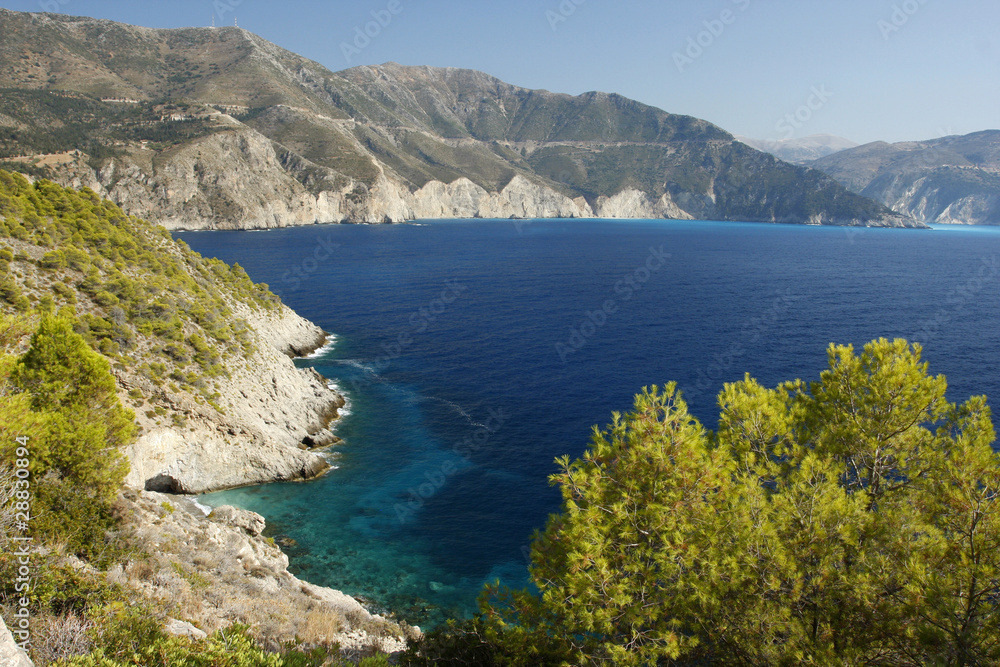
(474,352)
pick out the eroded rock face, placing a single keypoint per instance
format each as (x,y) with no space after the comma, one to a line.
(631,203)
(238,180)
(221,571)
(949,180)
(270,408)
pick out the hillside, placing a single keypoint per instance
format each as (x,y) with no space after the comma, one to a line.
(218,128)
(127,358)
(200,353)
(948,180)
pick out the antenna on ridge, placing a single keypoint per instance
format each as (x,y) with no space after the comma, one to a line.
(236,22)
(213,19)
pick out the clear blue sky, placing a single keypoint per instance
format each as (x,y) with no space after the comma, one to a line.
(872,69)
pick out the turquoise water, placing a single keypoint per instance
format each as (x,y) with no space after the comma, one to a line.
(475,352)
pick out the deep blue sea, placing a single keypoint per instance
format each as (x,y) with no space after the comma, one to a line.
(475,352)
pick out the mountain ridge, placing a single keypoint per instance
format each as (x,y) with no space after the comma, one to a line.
(802,150)
(953,179)
(255,136)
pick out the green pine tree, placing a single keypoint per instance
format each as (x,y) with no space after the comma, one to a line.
(77,462)
(850,521)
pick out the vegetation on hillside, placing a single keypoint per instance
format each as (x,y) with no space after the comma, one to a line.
(849,521)
(409,124)
(54,122)
(134,294)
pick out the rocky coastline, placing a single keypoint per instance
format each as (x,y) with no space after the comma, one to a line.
(275,426)
(241,179)
(273,417)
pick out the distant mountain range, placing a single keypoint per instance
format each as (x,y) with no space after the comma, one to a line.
(802,150)
(219,128)
(948,180)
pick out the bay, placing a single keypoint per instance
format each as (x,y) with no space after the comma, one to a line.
(475,352)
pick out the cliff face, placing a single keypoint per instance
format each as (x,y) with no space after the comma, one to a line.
(220,129)
(271,409)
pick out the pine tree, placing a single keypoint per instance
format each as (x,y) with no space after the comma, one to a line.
(853,520)
(77,461)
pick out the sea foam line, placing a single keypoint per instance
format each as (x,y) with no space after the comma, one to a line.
(206,510)
(328,344)
(345,409)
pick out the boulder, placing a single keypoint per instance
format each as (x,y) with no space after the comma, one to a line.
(251,522)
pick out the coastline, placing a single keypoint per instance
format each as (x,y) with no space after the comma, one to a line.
(215,569)
(268,423)
(231,551)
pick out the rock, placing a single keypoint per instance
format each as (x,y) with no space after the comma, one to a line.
(631,203)
(245,577)
(249,521)
(183,629)
(270,408)
(11,654)
(320,440)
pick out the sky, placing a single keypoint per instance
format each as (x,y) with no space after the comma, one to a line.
(866,70)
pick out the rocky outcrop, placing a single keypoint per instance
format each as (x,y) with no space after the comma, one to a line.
(631,203)
(237,180)
(270,409)
(214,570)
(251,522)
(11,654)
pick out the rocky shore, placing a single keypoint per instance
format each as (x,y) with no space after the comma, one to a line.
(215,570)
(273,415)
(219,569)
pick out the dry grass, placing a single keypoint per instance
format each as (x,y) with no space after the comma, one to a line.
(320,627)
(58,637)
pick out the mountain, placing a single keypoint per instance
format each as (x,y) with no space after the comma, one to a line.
(219,128)
(953,179)
(802,150)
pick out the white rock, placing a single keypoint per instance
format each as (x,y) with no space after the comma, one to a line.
(249,521)
(11,654)
(183,629)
